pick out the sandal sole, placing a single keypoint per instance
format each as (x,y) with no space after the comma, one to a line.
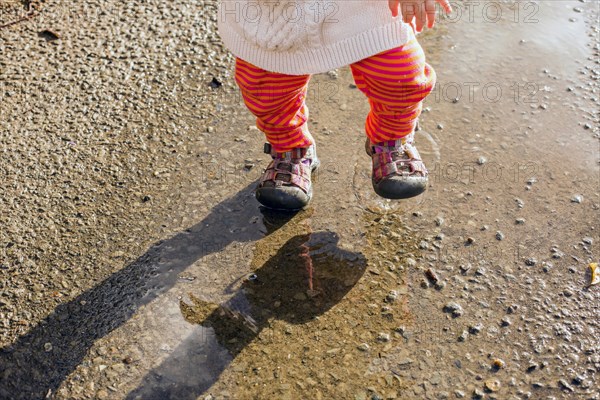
(399,190)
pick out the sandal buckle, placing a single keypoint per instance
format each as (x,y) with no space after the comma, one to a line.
(267,148)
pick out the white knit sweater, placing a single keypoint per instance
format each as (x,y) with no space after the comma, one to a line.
(299,37)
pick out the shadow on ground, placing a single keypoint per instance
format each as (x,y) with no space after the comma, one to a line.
(306,277)
(36,363)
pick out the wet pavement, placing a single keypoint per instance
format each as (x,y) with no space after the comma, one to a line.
(136,263)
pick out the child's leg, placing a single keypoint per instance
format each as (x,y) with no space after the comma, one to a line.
(396,82)
(277,101)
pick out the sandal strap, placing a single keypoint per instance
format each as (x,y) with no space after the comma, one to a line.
(286,173)
(395,157)
(294,154)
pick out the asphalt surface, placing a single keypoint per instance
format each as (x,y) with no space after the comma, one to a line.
(136,263)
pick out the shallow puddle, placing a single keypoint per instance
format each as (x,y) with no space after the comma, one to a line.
(475,288)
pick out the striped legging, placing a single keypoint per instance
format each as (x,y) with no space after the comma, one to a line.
(395,81)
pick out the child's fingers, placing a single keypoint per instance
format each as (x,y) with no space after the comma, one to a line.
(445,5)
(430,11)
(408,12)
(394,4)
(421,17)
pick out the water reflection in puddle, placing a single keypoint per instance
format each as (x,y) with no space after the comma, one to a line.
(301,279)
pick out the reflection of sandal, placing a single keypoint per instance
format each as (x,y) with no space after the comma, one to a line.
(286,183)
(398,171)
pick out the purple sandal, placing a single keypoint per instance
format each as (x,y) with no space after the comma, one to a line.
(286,183)
(398,171)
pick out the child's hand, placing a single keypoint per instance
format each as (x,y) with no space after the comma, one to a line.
(421,10)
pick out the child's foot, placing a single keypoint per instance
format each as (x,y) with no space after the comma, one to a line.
(286,183)
(398,171)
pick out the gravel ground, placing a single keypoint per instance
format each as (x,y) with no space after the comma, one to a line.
(137,264)
(92,132)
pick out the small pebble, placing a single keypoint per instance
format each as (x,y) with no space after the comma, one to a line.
(512,308)
(520,221)
(520,203)
(546,266)
(493,385)
(454,308)
(440,126)
(481,160)
(557,254)
(498,363)
(463,336)
(478,394)
(577,199)
(499,235)
(531,261)
(565,385)
(215,83)
(383,337)
(391,297)
(505,321)
(432,275)
(475,329)
(363,347)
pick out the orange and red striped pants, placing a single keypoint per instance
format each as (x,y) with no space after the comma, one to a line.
(395,82)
